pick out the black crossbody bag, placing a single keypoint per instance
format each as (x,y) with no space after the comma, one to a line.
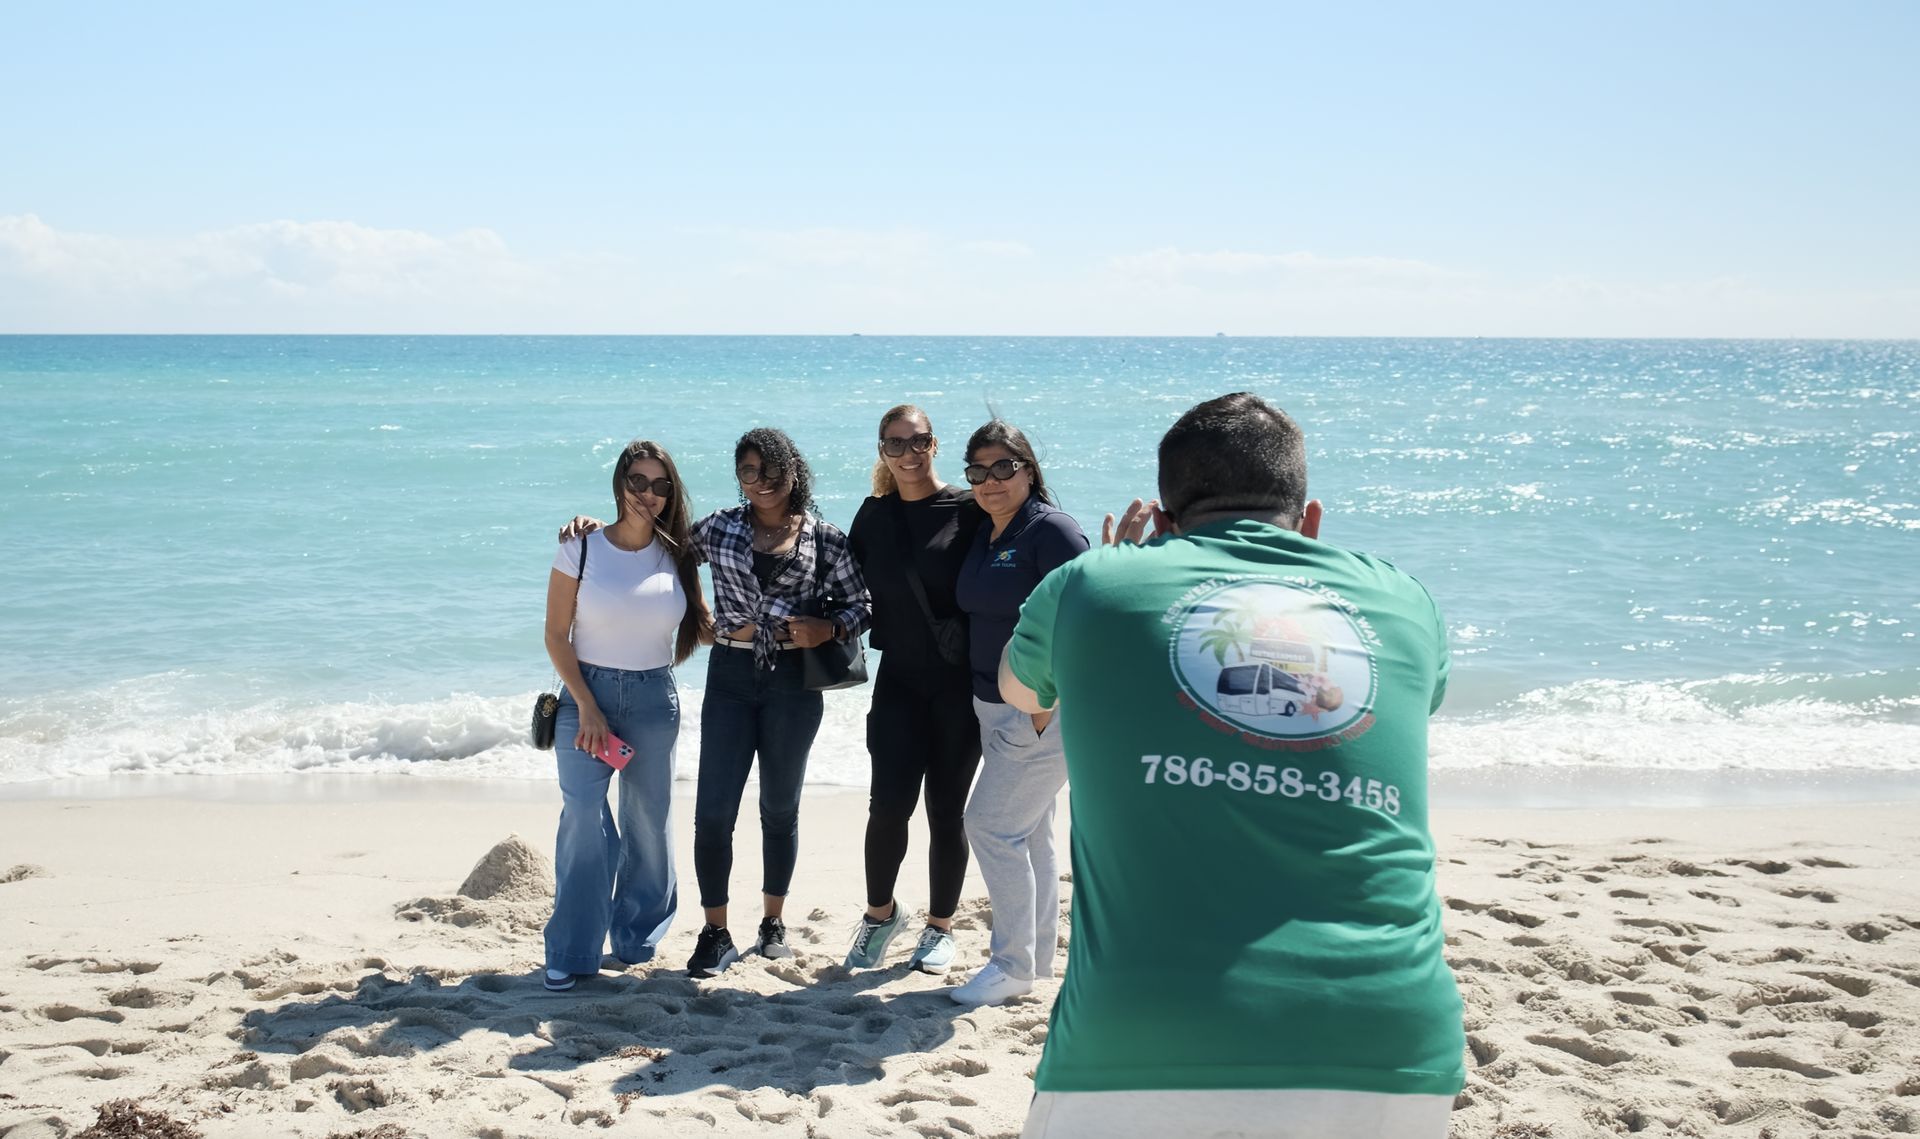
(949,633)
(546,706)
(837,663)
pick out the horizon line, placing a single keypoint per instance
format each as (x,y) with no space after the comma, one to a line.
(982,336)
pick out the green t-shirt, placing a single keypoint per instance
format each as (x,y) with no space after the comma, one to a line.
(1245,719)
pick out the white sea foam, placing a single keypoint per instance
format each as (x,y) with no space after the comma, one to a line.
(462,736)
(1729,724)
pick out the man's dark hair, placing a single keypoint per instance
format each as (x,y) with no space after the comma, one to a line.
(1233,453)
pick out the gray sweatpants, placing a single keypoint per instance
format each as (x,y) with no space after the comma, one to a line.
(1010,827)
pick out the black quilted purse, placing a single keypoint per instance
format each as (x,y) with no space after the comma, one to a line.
(546,706)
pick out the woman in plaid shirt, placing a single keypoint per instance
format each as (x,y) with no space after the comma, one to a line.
(765,577)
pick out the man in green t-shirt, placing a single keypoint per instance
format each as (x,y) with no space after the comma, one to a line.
(1256,946)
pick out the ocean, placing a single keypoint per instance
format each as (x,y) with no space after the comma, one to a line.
(260,555)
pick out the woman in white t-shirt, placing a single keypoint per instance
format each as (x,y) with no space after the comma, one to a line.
(623,607)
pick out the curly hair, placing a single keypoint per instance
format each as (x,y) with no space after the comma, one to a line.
(777,450)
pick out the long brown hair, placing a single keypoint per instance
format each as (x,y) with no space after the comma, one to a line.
(883,484)
(671,526)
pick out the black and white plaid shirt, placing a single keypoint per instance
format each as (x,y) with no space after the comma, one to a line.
(724,540)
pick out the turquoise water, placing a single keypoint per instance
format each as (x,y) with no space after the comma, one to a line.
(260,554)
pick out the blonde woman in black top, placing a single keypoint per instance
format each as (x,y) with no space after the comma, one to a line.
(921,732)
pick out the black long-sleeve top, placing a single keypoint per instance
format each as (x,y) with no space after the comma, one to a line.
(940,530)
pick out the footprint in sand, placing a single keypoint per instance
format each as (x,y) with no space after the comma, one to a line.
(1591,1051)
(91,965)
(1691,870)
(959,1066)
(1769,1058)
(1851,985)
(1717,899)
(113,1047)
(1826,896)
(1497,912)
(61,1014)
(1763,866)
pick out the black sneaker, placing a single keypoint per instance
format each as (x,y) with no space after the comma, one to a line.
(713,953)
(772,941)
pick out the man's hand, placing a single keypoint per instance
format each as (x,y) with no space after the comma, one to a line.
(580,527)
(1132,526)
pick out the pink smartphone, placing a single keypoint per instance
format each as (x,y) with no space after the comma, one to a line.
(616,753)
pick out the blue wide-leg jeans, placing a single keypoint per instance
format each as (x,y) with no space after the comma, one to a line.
(613,865)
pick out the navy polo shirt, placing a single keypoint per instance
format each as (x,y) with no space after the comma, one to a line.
(999,574)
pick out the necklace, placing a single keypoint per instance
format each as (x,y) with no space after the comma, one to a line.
(767,539)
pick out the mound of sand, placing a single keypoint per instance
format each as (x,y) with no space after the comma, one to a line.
(511,872)
(510,889)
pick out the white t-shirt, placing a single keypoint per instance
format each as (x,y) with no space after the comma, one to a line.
(630,604)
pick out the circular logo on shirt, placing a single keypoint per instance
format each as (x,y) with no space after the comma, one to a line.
(1286,664)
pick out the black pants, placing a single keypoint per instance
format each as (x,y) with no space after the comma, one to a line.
(920,731)
(746,712)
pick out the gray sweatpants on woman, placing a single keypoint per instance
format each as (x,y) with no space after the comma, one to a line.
(1010,827)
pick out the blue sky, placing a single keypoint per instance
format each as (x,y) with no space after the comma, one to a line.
(1627,169)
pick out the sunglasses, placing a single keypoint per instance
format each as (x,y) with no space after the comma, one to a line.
(894,447)
(1000,471)
(641,484)
(750,473)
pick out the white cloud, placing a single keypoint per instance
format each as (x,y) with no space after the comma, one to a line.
(1176,291)
(340,276)
(295,275)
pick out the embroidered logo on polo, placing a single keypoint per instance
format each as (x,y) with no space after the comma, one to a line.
(1285,663)
(1004,559)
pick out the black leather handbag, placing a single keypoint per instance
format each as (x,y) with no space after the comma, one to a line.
(546,706)
(835,664)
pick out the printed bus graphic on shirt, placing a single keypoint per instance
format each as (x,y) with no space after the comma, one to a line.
(1280,662)
(1261,690)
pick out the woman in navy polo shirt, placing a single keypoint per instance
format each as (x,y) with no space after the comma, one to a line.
(1010,816)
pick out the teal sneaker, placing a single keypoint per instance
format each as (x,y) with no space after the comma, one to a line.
(870,941)
(935,952)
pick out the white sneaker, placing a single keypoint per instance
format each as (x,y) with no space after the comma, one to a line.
(935,952)
(990,986)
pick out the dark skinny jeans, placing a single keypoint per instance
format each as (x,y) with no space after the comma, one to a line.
(748,711)
(921,731)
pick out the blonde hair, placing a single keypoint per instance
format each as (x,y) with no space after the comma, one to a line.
(883,483)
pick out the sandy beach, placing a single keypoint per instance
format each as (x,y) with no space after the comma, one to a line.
(277,965)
